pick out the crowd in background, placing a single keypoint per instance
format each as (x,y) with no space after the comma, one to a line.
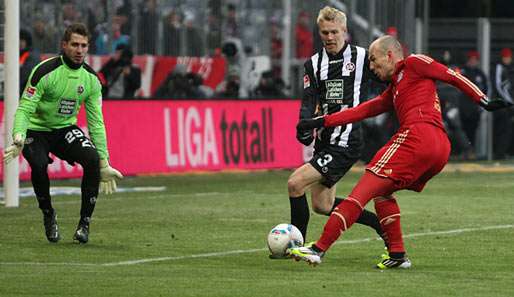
(177,31)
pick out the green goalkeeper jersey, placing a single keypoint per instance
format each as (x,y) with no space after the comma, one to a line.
(53,97)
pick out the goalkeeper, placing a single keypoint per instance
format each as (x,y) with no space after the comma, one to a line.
(45,122)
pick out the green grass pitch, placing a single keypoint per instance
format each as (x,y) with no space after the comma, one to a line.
(206,236)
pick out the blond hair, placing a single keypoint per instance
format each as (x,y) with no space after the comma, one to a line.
(331,14)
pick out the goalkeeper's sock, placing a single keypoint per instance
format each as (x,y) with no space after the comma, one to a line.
(45,204)
(388,213)
(90,183)
(300,213)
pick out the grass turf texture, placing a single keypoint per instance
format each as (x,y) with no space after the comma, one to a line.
(175,231)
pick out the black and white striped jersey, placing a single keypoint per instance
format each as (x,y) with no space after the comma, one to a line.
(332,83)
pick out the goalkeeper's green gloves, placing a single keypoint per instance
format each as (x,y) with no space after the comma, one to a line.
(14,150)
(494,104)
(108,176)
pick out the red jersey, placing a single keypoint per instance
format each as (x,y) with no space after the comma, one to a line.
(412,93)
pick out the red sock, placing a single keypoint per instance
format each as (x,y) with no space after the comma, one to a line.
(343,216)
(388,213)
(349,210)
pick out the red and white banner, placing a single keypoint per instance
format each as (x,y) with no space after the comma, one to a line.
(150,136)
(155,69)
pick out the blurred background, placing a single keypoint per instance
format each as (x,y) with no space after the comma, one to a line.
(201,50)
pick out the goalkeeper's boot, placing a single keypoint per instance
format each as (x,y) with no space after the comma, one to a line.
(394,263)
(309,253)
(51,227)
(82,233)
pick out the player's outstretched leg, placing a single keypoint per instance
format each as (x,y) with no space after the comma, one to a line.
(309,253)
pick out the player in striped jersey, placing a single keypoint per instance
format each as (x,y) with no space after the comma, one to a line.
(417,152)
(335,79)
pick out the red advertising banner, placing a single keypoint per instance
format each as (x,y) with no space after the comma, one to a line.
(150,136)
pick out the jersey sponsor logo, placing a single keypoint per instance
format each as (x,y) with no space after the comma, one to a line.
(31,91)
(80,89)
(336,61)
(349,66)
(334,89)
(67,106)
(306,81)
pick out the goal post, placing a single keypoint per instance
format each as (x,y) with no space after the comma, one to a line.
(11,95)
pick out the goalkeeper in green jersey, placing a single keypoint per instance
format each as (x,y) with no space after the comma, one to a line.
(46,122)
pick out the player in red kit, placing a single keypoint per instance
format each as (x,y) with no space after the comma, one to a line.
(417,152)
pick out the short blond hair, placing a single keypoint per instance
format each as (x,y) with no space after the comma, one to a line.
(331,14)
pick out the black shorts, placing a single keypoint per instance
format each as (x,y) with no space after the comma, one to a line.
(333,163)
(69,144)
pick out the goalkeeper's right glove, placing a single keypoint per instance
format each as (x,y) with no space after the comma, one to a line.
(12,151)
(108,176)
(494,104)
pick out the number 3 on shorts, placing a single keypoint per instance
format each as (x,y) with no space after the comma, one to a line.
(327,158)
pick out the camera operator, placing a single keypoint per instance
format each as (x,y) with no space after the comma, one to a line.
(119,77)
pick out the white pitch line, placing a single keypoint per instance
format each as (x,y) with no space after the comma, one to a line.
(235,252)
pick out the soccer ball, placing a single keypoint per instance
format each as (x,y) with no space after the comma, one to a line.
(282,237)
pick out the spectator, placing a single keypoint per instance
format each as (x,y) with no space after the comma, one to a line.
(172,29)
(276,48)
(194,39)
(213,34)
(180,84)
(70,14)
(118,38)
(44,39)
(231,25)
(449,98)
(503,119)
(270,86)
(148,23)
(229,88)
(303,34)
(28,58)
(469,111)
(119,77)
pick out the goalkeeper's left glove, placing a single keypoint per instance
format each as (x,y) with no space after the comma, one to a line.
(12,151)
(310,124)
(108,176)
(494,104)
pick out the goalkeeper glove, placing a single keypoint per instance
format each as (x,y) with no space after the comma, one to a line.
(304,137)
(12,151)
(108,176)
(309,124)
(494,104)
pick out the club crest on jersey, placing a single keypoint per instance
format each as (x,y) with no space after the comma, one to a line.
(334,89)
(30,91)
(306,81)
(349,67)
(80,89)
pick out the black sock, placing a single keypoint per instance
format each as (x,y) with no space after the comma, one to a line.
(336,203)
(45,204)
(397,255)
(300,213)
(89,186)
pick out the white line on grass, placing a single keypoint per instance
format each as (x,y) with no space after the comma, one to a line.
(234,252)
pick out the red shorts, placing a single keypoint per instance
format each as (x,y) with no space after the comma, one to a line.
(412,156)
